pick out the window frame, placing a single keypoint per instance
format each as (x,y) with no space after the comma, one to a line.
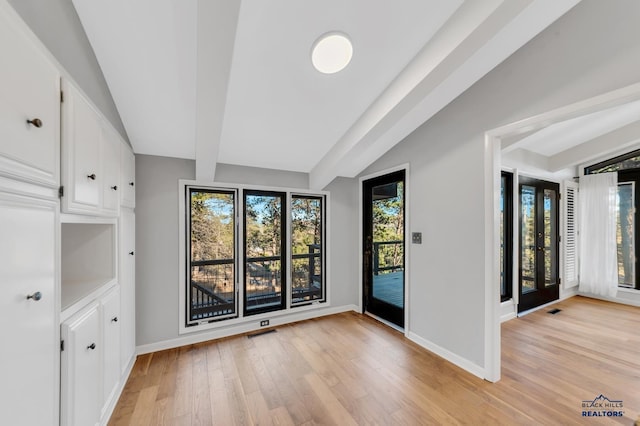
(285,282)
(323,250)
(507,249)
(189,189)
(241,321)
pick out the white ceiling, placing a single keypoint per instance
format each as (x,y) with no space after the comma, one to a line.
(248,73)
(567,143)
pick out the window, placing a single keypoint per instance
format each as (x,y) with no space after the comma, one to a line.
(307,252)
(212,267)
(629,161)
(625,237)
(249,251)
(506,235)
(264,266)
(628,168)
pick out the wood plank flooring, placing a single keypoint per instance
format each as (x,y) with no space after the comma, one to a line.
(348,369)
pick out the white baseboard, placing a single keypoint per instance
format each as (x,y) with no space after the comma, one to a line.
(118,392)
(508,316)
(240,328)
(461,362)
(632,300)
(568,293)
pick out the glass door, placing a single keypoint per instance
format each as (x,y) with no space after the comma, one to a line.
(383,247)
(539,243)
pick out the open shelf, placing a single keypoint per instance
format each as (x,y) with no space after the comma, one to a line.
(88,260)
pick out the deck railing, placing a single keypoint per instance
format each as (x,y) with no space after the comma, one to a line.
(212,292)
(388,256)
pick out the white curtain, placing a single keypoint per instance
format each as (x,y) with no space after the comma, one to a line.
(598,248)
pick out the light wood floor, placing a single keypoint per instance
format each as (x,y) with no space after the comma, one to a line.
(348,369)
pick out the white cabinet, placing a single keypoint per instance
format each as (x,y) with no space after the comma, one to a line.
(127,278)
(29,91)
(30,337)
(110,162)
(91,361)
(91,158)
(81,372)
(127,177)
(110,317)
(81,135)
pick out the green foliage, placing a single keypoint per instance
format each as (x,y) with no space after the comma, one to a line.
(306,224)
(388,225)
(212,225)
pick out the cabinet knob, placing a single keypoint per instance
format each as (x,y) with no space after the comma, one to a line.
(35,122)
(131,253)
(131,183)
(91,346)
(92,176)
(35,296)
(114,187)
(114,319)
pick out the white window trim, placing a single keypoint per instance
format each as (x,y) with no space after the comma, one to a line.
(240,319)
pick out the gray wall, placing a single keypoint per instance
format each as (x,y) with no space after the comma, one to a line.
(57,25)
(157,255)
(591,50)
(256,176)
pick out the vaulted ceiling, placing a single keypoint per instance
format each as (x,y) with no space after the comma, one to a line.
(231,81)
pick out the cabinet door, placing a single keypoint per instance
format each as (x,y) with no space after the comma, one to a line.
(128,177)
(30,336)
(29,90)
(110,162)
(110,306)
(81,134)
(127,287)
(81,370)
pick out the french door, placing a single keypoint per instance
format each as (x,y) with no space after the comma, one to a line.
(539,243)
(383,247)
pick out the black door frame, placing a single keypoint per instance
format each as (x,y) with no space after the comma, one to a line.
(542,294)
(379,308)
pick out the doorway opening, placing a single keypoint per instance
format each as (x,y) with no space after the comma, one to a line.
(383,263)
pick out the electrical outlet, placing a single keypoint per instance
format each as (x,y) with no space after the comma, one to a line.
(264,323)
(416,237)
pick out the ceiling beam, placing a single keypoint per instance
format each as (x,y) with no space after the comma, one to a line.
(609,143)
(217,24)
(478,37)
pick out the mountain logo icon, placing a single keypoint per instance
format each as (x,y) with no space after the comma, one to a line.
(602,401)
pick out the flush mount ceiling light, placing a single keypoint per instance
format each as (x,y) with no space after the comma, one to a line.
(331,53)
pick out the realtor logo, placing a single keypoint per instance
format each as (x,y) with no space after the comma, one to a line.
(601,406)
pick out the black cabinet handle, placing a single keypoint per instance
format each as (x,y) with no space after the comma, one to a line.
(131,183)
(91,346)
(35,296)
(92,176)
(131,253)
(115,187)
(35,122)
(114,319)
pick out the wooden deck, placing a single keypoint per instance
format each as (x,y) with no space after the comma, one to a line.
(349,369)
(389,288)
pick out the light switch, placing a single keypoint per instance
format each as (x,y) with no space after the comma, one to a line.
(416,237)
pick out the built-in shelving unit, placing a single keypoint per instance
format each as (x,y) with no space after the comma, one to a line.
(88,261)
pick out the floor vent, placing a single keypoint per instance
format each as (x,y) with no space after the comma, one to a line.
(554,311)
(260,333)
